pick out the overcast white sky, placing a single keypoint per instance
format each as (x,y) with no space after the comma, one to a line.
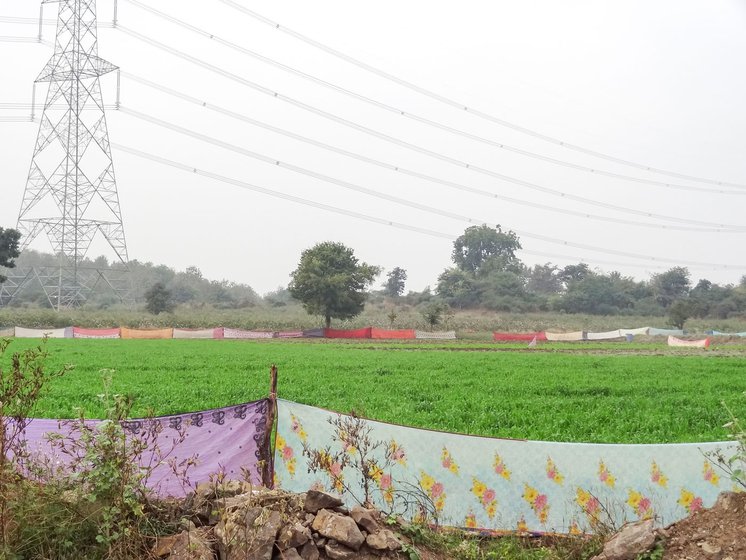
(659,83)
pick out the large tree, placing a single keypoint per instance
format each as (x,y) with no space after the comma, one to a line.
(395,279)
(158,299)
(330,281)
(484,248)
(671,285)
(9,239)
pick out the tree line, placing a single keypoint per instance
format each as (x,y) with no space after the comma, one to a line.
(330,282)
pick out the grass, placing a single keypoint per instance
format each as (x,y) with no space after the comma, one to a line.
(596,392)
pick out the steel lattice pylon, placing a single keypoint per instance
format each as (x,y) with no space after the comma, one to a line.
(71,191)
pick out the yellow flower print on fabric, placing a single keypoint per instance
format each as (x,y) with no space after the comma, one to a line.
(709,474)
(689,501)
(605,476)
(553,473)
(434,490)
(395,452)
(657,477)
(486,496)
(297,428)
(500,467)
(286,454)
(538,502)
(589,504)
(640,504)
(447,461)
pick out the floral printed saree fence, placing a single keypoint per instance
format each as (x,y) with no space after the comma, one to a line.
(498,484)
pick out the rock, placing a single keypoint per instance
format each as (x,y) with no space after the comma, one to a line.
(342,529)
(383,540)
(248,534)
(710,549)
(633,539)
(290,554)
(725,501)
(191,545)
(309,551)
(366,518)
(293,536)
(163,545)
(316,500)
(338,551)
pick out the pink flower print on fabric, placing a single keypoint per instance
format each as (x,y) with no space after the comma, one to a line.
(641,504)
(286,454)
(689,501)
(538,502)
(657,477)
(447,461)
(553,473)
(297,428)
(434,490)
(709,474)
(486,496)
(605,476)
(396,453)
(499,465)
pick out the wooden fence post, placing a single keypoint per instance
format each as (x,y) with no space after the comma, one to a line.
(269,468)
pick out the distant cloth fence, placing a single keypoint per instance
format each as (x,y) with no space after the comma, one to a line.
(703,343)
(147,333)
(427,335)
(518,337)
(373,333)
(79,332)
(238,333)
(199,333)
(382,334)
(719,333)
(66,332)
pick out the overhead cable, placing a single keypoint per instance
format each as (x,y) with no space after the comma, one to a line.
(403,143)
(359,215)
(390,167)
(421,119)
(463,107)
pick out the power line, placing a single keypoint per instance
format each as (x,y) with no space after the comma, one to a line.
(463,107)
(403,143)
(27,20)
(36,21)
(10,39)
(366,217)
(378,163)
(419,118)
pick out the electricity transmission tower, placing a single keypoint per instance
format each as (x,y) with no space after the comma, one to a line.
(71,192)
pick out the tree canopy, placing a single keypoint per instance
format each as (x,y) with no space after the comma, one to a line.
(158,299)
(9,239)
(331,282)
(394,286)
(480,246)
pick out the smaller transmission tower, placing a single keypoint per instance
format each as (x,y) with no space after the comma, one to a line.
(71,193)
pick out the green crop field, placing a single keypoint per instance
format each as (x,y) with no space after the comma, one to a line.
(593,392)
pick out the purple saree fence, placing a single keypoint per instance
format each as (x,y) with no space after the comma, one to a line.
(233,440)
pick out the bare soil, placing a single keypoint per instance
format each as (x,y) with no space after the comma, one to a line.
(718,533)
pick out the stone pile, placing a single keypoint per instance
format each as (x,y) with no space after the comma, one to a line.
(233,521)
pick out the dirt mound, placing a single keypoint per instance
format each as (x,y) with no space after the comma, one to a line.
(718,533)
